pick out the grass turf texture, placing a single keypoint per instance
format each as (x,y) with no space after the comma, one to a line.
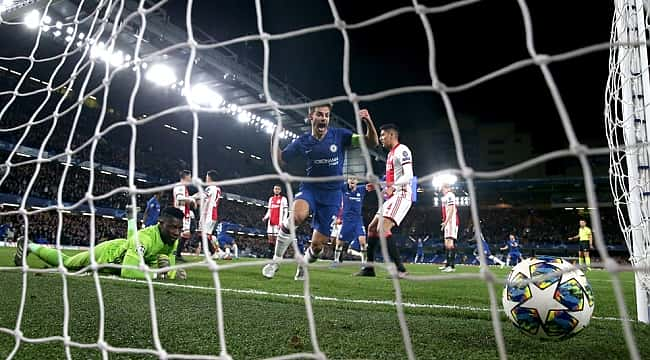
(264,325)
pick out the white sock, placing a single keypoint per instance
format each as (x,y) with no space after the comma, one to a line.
(227,251)
(281,245)
(337,253)
(364,253)
(310,255)
(356,253)
(496,259)
(213,240)
(236,249)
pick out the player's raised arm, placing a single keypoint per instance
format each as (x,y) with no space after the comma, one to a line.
(370,137)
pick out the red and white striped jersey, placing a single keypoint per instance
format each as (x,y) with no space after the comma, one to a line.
(398,159)
(448,200)
(181,195)
(210,203)
(278,209)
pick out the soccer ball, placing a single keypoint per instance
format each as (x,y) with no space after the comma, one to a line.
(558,306)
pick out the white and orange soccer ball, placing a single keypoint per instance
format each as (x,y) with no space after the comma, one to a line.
(548,297)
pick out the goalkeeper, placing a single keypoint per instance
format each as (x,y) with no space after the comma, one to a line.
(156,245)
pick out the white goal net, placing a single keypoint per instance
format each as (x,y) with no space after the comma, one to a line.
(111,68)
(626,120)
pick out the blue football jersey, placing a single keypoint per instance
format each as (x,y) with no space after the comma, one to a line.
(353,201)
(323,157)
(225,226)
(513,245)
(486,247)
(153,212)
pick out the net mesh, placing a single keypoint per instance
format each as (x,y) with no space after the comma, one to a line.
(73,73)
(625,118)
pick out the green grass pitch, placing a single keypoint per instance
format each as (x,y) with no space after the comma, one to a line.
(450,323)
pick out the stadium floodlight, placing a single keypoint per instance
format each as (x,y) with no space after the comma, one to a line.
(244,116)
(6,4)
(57,33)
(117,58)
(68,38)
(58,25)
(45,28)
(32,19)
(202,95)
(69,30)
(97,50)
(47,19)
(442,179)
(269,129)
(81,36)
(161,75)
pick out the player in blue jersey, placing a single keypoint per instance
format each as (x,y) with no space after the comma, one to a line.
(419,243)
(323,150)
(487,252)
(352,218)
(514,250)
(152,212)
(225,236)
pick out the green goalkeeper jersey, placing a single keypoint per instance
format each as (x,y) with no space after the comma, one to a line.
(149,245)
(119,251)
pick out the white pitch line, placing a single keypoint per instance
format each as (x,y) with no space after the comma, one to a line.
(325,298)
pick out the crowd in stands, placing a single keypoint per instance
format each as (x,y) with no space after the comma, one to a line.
(159,160)
(75,184)
(75,229)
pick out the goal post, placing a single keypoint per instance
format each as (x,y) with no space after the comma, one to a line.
(627,114)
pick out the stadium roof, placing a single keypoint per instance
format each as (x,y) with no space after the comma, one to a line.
(235,79)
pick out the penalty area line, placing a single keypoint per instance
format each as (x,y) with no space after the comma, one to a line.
(324,298)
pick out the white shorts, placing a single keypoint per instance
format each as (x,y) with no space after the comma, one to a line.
(207,227)
(451,230)
(186,224)
(396,208)
(273,230)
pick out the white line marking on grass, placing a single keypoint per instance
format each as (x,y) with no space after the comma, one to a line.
(324,298)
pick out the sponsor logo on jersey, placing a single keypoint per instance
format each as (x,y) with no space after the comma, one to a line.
(330,161)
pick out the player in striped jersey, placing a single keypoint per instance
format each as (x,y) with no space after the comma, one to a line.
(209,203)
(183,202)
(398,190)
(277,213)
(449,225)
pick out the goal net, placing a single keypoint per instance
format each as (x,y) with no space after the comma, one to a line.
(626,120)
(80,77)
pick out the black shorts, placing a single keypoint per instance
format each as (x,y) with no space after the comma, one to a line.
(584,245)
